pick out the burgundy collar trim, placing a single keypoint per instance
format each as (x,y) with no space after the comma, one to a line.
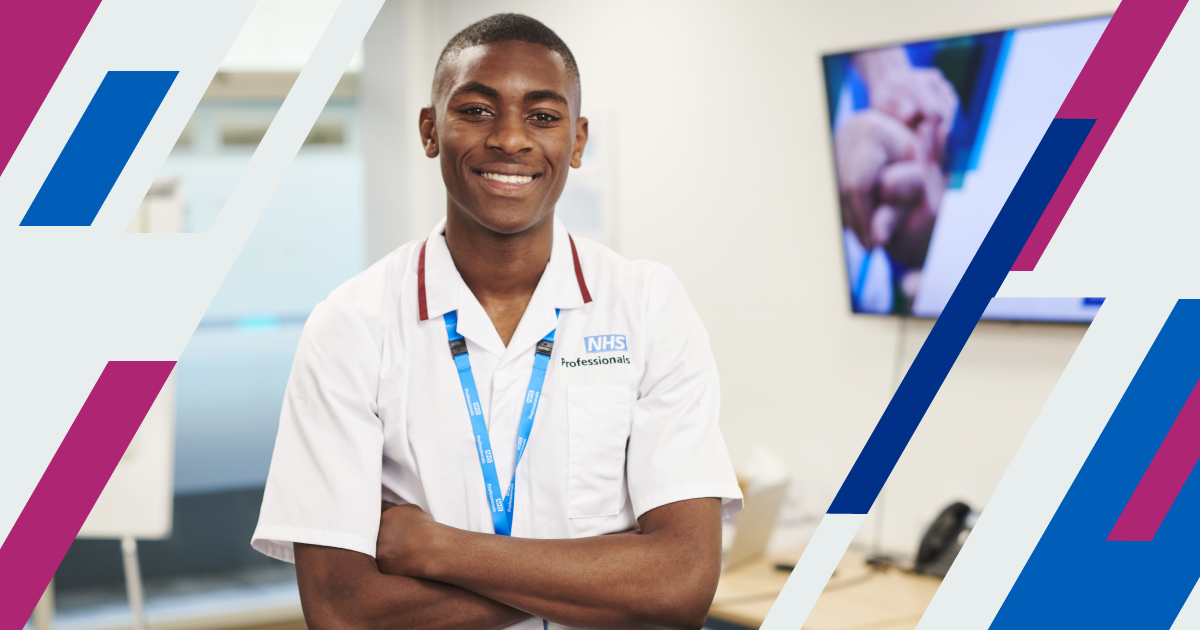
(423,305)
(587,297)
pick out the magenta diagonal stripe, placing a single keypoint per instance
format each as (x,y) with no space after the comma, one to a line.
(36,38)
(1102,91)
(71,484)
(1164,478)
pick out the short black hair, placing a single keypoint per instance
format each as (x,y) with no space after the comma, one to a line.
(507,27)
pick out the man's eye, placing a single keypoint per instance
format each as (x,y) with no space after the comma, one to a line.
(544,117)
(475,111)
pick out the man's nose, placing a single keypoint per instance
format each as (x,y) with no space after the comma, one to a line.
(510,135)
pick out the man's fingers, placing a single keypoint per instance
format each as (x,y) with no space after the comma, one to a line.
(949,98)
(941,98)
(864,148)
(867,142)
(935,94)
(902,183)
(856,214)
(901,107)
(883,223)
(898,141)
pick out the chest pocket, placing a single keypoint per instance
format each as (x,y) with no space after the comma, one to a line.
(599,418)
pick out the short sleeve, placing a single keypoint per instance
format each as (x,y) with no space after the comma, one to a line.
(323,487)
(675,450)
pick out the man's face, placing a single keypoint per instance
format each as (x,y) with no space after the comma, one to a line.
(505,124)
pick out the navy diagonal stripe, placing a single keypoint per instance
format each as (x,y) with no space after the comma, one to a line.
(975,290)
(96,153)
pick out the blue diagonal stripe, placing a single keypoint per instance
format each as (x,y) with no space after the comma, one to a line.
(975,290)
(1076,577)
(96,153)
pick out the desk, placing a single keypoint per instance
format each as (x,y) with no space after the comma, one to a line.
(857,597)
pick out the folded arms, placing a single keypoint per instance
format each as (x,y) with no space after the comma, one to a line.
(428,575)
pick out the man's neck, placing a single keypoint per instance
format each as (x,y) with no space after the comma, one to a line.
(501,270)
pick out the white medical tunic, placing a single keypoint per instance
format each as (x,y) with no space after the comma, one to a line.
(374,408)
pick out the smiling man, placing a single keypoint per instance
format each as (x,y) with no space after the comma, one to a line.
(500,425)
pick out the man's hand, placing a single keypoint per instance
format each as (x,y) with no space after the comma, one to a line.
(342,589)
(914,188)
(920,98)
(890,184)
(863,147)
(661,576)
(407,537)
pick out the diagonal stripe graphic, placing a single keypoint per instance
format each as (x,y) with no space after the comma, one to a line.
(148,293)
(70,486)
(924,378)
(90,163)
(1168,471)
(1044,467)
(1076,577)
(807,581)
(978,285)
(1103,91)
(36,39)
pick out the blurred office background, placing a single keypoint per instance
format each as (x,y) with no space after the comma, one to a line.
(230,378)
(712,155)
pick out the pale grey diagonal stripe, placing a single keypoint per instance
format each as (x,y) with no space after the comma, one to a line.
(292,123)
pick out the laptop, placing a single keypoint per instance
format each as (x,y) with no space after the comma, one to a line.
(755,523)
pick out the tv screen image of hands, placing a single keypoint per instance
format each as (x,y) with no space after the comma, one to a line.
(928,138)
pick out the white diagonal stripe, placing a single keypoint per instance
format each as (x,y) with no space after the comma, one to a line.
(813,571)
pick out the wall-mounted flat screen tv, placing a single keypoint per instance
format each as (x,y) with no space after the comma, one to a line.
(928,140)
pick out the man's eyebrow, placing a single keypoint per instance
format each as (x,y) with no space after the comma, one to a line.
(475,87)
(545,95)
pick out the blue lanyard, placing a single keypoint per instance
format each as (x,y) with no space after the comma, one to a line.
(500,505)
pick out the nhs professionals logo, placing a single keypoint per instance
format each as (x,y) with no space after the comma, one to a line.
(605,343)
(601,343)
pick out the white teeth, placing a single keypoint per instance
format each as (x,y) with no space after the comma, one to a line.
(509,179)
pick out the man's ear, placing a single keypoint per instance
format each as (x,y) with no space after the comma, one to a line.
(581,138)
(428,131)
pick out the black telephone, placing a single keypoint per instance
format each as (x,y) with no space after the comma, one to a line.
(944,538)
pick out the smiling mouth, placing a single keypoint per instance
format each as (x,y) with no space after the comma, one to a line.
(508,179)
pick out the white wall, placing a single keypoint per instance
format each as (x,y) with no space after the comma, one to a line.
(723,171)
